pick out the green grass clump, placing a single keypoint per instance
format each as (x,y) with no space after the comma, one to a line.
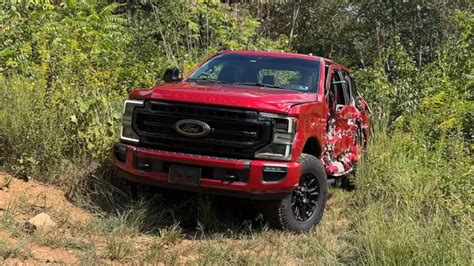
(119,247)
(171,234)
(156,252)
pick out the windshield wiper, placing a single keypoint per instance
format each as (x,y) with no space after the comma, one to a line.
(258,84)
(207,80)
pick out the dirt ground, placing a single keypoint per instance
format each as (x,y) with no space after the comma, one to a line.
(78,237)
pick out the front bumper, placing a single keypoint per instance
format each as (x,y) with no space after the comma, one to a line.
(130,161)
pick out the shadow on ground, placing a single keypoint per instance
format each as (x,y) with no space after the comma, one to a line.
(150,209)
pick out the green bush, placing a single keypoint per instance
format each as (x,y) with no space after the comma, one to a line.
(62,82)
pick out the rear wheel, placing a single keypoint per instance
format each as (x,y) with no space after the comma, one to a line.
(304,207)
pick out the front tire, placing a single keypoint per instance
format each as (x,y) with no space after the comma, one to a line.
(303,208)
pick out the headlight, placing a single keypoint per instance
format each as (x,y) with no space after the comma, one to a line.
(126,131)
(283,135)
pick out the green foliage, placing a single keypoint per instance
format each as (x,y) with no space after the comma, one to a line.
(359,33)
(63,81)
(66,67)
(188,32)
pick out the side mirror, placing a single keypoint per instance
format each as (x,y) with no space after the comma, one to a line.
(172,75)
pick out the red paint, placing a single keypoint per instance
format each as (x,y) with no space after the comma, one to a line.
(337,141)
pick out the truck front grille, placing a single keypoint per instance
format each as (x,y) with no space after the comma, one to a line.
(235,133)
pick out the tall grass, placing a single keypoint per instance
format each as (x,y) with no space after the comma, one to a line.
(403,214)
(40,138)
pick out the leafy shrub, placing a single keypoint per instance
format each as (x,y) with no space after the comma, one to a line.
(62,84)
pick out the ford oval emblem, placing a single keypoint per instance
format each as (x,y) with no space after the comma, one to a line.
(192,128)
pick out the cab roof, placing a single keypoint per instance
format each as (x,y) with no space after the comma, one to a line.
(282,55)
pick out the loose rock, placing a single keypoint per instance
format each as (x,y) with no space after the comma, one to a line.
(40,221)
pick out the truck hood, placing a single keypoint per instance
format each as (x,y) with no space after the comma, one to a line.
(239,96)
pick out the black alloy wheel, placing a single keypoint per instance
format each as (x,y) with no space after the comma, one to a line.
(302,209)
(304,198)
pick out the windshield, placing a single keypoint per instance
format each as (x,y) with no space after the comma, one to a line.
(262,71)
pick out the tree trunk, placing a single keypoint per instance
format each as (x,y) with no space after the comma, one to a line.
(294,19)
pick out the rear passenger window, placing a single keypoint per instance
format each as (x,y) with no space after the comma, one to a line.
(345,88)
(354,93)
(338,88)
(350,89)
(326,77)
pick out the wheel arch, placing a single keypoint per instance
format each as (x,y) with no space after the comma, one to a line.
(313,146)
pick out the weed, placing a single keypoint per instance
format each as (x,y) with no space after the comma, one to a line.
(223,252)
(7,218)
(401,215)
(207,220)
(88,257)
(5,183)
(157,252)
(171,234)
(118,246)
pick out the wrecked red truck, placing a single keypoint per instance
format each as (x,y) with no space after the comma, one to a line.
(272,126)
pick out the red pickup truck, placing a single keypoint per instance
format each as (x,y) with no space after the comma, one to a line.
(262,125)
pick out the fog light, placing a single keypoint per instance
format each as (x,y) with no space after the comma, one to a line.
(120,152)
(273,173)
(274,169)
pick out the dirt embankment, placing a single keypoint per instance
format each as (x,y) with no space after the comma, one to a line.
(20,201)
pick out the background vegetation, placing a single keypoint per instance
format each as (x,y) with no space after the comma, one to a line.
(67,65)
